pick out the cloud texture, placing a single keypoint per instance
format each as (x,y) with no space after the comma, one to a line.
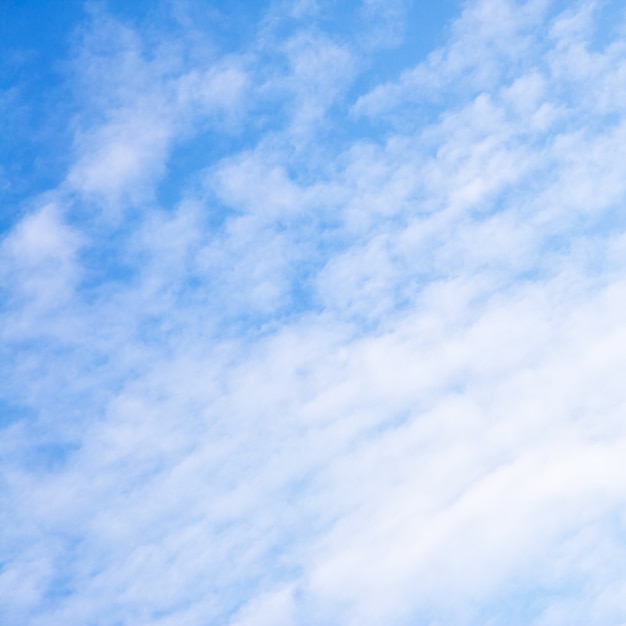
(295,341)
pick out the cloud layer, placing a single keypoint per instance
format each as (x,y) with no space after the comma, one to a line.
(294,345)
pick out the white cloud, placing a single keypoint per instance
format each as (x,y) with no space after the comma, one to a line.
(490,41)
(320,70)
(381,387)
(39,262)
(143,101)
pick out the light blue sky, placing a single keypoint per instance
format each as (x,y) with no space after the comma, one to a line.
(312,313)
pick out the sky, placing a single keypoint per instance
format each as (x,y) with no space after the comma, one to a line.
(312,313)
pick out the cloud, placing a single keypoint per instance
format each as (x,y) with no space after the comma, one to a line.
(40,268)
(352,374)
(489,42)
(141,102)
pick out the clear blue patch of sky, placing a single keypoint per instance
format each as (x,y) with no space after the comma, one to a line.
(48,456)
(34,105)
(609,22)
(427,27)
(11,413)
(188,160)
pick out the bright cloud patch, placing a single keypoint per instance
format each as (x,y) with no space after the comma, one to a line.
(315,329)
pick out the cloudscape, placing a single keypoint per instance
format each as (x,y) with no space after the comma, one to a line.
(313,313)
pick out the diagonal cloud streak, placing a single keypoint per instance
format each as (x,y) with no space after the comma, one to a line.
(284,348)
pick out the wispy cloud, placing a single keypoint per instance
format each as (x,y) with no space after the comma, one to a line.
(141,100)
(364,369)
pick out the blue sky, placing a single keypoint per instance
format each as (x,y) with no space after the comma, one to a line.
(312,313)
